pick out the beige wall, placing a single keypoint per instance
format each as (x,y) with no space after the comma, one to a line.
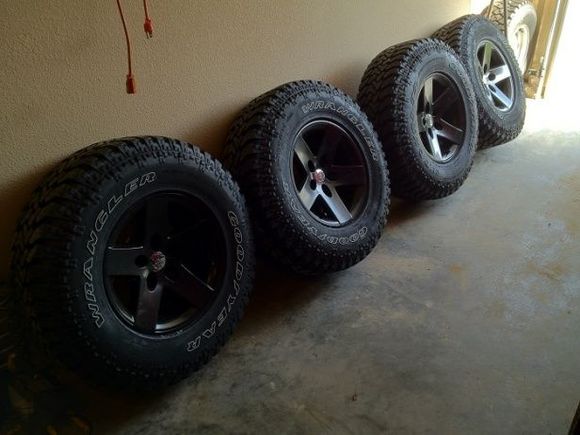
(63,69)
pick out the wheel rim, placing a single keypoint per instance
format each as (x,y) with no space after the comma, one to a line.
(520,42)
(441,118)
(330,173)
(165,262)
(496,76)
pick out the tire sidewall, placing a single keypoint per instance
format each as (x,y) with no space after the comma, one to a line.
(296,114)
(97,319)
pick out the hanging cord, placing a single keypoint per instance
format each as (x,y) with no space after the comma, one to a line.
(148,25)
(130,84)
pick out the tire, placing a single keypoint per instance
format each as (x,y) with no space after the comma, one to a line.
(430,147)
(324,126)
(501,102)
(522,20)
(8,340)
(104,254)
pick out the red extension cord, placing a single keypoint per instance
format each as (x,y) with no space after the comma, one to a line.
(148,27)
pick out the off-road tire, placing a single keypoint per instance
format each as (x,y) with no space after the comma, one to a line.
(259,152)
(57,265)
(8,332)
(464,35)
(389,93)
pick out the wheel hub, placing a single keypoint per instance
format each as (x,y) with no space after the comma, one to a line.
(157,261)
(319,176)
(428,120)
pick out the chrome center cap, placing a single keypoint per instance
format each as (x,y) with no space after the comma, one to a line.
(319,176)
(428,120)
(158,261)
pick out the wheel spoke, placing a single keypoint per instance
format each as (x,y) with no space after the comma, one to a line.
(486,60)
(489,96)
(428,95)
(434,145)
(337,206)
(148,306)
(122,261)
(450,132)
(329,145)
(501,73)
(307,195)
(302,150)
(346,175)
(190,287)
(184,235)
(445,101)
(157,219)
(501,97)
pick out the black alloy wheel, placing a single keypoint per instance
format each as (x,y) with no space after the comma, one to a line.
(329,172)
(495,75)
(441,118)
(165,262)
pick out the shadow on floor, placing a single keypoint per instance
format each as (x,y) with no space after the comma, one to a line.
(36,398)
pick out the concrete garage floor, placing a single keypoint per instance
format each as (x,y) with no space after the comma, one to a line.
(465,319)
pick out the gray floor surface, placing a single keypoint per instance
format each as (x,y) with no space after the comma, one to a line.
(464,319)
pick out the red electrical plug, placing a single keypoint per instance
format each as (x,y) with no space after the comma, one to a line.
(131,84)
(148,26)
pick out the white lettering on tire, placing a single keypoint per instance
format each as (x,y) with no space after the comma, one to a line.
(331,240)
(98,225)
(231,298)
